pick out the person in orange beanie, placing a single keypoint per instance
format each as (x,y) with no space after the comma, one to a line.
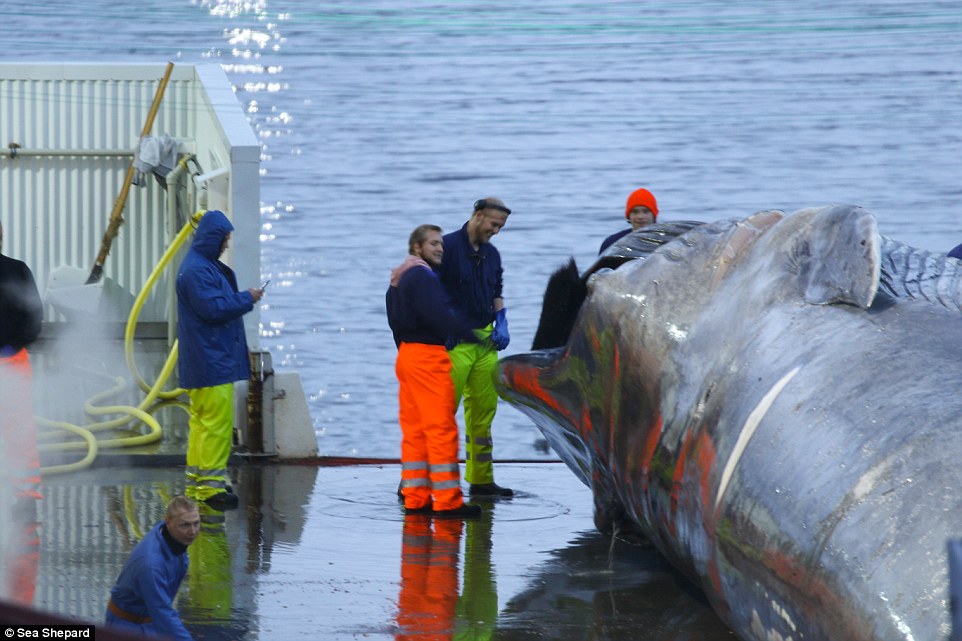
(641,210)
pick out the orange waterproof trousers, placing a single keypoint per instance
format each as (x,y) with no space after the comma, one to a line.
(18,431)
(427,602)
(429,433)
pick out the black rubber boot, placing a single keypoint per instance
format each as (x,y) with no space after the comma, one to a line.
(426,509)
(490,489)
(223,501)
(466,511)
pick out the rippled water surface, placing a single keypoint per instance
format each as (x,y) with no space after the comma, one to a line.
(376,116)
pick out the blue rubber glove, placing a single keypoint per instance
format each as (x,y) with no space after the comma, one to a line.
(499,335)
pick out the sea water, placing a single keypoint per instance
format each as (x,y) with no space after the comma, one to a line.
(376,116)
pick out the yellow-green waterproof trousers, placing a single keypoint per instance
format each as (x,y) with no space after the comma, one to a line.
(211,434)
(210,578)
(473,368)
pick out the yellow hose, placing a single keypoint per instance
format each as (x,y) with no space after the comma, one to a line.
(130,513)
(131,412)
(155,433)
(182,235)
(90,439)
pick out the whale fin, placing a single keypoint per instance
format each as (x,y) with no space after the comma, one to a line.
(563,296)
(838,259)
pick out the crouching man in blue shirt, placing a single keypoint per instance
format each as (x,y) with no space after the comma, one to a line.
(143,598)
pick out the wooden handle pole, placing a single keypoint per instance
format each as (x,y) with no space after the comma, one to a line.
(116,216)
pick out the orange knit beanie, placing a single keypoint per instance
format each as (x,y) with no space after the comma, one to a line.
(644,198)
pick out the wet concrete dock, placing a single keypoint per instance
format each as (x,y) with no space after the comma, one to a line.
(325,552)
(321,549)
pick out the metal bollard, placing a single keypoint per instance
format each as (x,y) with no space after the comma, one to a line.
(260,440)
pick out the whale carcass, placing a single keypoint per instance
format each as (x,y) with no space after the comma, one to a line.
(776,403)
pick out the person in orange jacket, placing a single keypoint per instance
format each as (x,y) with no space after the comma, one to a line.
(20,555)
(21,318)
(422,318)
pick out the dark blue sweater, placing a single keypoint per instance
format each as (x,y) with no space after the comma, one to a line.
(420,311)
(21,309)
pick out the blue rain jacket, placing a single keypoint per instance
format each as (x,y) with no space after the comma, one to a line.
(210,329)
(147,586)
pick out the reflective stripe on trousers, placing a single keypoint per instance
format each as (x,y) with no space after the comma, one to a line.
(429,433)
(473,368)
(209,443)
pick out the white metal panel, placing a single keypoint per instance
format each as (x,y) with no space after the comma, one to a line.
(55,209)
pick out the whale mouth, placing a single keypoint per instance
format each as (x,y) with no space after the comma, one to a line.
(530,382)
(519,382)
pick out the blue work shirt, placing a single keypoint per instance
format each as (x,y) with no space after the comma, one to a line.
(210,329)
(473,278)
(610,240)
(419,310)
(148,584)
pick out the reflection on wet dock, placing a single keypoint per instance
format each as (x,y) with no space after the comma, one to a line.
(319,552)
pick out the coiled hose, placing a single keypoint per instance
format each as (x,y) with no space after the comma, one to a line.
(154,392)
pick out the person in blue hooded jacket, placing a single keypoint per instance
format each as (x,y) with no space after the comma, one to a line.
(212,355)
(143,597)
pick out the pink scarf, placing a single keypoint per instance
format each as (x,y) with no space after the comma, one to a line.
(409,262)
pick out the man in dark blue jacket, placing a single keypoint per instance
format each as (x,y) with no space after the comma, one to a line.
(143,598)
(212,355)
(472,275)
